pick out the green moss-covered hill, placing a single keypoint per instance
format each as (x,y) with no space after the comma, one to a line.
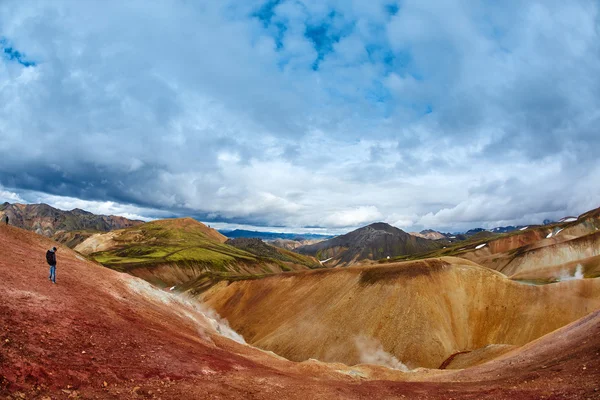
(173,251)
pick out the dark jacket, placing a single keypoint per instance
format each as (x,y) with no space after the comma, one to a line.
(51,257)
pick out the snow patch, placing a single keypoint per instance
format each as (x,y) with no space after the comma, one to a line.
(522,229)
(480,246)
(551,234)
(354,373)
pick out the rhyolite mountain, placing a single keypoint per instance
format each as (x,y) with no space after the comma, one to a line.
(372,242)
(60,225)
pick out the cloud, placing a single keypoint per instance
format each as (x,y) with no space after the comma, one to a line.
(353,217)
(97,207)
(442,114)
(10,197)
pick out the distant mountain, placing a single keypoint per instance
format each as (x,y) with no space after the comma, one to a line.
(475,231)
(262,249)
(290,244)
(65,226)
(241,233)
(510,228)
(430,234)
(482,233)
(372,242)
(453,237)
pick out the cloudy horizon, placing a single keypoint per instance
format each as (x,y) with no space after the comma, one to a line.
(303,116)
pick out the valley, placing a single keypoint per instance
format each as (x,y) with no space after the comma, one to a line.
(437,317)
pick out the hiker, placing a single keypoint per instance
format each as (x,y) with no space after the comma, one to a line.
(51,259)
(6,219)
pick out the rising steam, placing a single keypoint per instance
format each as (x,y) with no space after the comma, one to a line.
(204,317)
(566,275)
(371,352)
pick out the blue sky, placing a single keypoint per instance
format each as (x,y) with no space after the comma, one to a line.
(294,114)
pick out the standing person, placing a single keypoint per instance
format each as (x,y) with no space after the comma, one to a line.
(6,219)
(51,259)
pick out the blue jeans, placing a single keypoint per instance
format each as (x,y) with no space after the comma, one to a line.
(52,276)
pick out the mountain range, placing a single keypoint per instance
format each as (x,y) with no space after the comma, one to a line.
(64,226)
(241,233)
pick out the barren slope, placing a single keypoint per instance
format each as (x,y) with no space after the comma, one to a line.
(421,312)
(569,249)
(548,260)
(99,333)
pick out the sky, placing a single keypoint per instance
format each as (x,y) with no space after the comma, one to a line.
(303,115)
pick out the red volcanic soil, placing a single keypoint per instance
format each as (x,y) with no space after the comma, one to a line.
(102,334)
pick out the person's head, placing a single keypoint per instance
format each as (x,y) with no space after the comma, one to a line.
(54,249)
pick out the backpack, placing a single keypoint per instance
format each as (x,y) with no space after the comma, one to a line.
(50,257)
